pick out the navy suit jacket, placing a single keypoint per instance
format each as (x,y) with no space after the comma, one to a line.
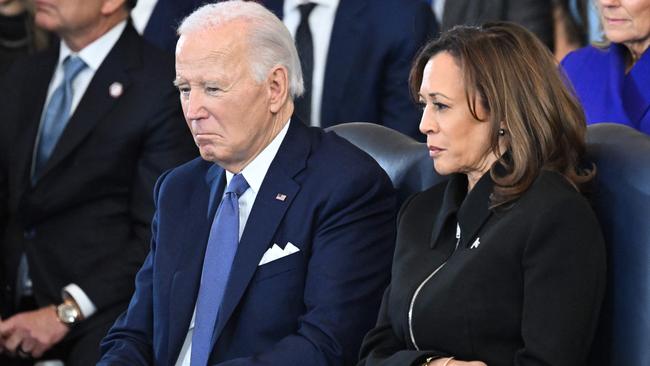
(308,308)
(372,46)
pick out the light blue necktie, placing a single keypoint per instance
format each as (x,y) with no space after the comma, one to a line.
(57,113)
(219,255)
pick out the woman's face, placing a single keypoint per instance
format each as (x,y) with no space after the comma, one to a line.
(627,22)
(457,142)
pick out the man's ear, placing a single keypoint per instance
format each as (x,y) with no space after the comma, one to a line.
(278,88)
(111,6)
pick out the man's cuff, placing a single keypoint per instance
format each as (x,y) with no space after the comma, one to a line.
(86,306)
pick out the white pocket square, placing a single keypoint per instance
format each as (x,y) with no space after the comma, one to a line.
(275,253)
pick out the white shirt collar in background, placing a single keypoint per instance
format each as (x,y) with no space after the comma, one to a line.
(321,22)
(141,14)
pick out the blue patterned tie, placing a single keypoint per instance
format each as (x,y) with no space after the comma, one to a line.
(219,255)
(57,113)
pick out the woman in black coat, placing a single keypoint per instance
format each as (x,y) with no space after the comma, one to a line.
(503,264)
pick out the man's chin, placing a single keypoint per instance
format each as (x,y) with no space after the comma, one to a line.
(44,21)
(209,155)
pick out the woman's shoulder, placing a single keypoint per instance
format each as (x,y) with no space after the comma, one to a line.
(590,52)
(552,194)
(591,56)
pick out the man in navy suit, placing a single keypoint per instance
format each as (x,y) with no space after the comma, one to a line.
(75,222)
(362,54)
(313,217)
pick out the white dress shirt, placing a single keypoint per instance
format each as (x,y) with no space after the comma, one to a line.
(254,174)
(438,7)
(321,21)
(93,55)
(141,14)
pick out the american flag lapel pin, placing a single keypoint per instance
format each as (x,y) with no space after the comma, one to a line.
(281,197)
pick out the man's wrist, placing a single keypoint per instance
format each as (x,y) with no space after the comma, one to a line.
(68,312)
(70,301)
(86,306)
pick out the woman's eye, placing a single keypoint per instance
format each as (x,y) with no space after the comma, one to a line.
(440,106)
(422,105)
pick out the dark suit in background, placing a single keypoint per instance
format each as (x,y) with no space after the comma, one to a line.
(166,15)
(87,219)
(372,45)
(535,15)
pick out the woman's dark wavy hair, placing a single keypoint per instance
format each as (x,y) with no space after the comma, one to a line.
(516,80)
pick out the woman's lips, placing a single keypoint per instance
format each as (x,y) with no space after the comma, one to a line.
(435,151)
(615,21)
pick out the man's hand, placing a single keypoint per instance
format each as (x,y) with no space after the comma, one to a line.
(31,332)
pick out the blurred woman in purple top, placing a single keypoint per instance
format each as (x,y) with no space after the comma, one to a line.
(613,81)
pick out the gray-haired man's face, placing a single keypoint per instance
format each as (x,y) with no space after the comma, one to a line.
(226,110)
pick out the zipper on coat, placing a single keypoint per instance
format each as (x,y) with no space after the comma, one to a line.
(419,288)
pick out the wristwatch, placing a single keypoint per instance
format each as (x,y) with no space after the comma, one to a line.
(68,312)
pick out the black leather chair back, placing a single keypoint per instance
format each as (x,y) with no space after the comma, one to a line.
(622,202)
(406,161)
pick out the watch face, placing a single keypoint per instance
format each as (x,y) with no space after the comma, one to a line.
(67,313)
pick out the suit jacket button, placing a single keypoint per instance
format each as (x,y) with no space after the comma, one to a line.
(29,234)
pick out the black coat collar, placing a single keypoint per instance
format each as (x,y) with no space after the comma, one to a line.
(470,210)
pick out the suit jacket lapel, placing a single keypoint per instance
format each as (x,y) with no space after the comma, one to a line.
(97,101)
(348,28)
(187,275)
(265,217)
(35,96)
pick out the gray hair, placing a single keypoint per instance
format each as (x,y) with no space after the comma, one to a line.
(270,43)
